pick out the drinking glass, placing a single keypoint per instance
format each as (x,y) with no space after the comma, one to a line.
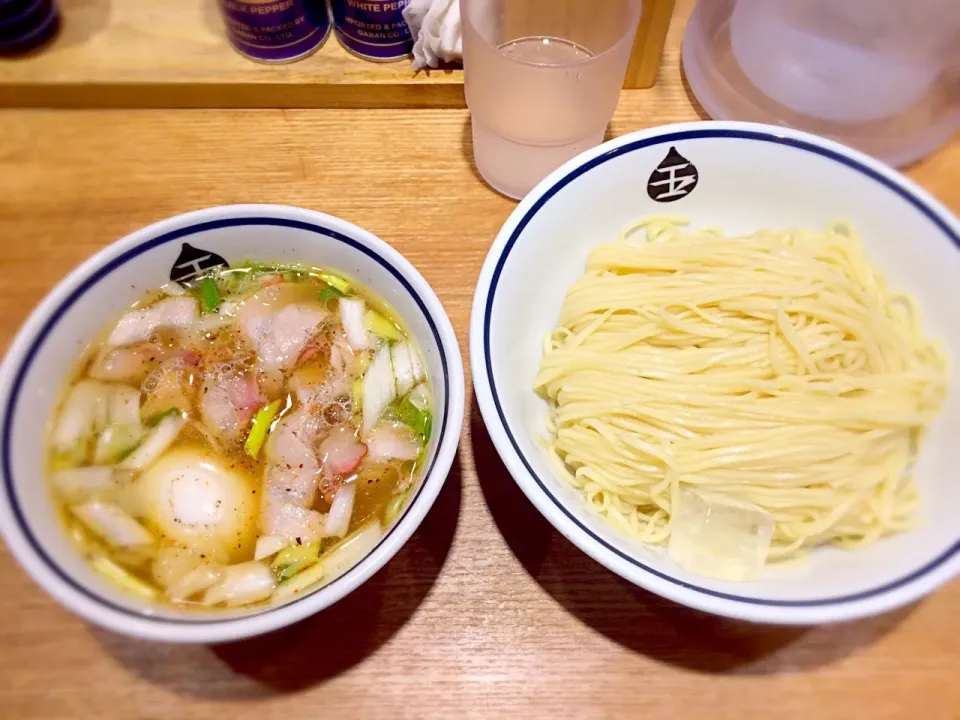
(542,81)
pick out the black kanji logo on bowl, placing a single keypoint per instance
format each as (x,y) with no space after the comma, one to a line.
(674,178)
(192,261)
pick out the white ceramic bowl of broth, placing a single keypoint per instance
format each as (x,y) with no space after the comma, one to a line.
(739,178)
(38,361)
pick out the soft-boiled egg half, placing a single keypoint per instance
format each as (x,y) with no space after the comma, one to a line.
(198,502)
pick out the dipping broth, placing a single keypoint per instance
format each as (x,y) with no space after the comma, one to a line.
(240,438)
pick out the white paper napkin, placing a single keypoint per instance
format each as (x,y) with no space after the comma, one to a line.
(435,26)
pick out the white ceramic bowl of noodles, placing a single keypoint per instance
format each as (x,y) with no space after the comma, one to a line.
(748,177)
(38,360)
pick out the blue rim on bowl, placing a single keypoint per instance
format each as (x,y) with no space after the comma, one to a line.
(488,395)
(27,20)
(36,36)
(91,277)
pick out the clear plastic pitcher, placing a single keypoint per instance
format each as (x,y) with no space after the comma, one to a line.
(880,75)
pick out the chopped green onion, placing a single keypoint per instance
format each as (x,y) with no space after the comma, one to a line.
(155,420)
(363,361)
(334,562)
(336,281)
(121,577)
(296,553)
(419,421)
(232,281)
(357,388)
(379,325)
(268,267)
(300,582)
(330,293)
(393,508)
(209,295)
(261,426)
(290,570)
(295,558)
(116,442)
(419,397)
(64,462)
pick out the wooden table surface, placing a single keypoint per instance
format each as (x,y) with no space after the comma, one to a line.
(487,611)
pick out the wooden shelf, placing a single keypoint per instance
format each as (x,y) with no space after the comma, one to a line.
(141,53)
(147,54)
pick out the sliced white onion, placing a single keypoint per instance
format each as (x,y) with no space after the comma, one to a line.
(228,308)
(173,289)
(268,545)
(348,553)
(84,414)
(407,367)
(242,584)
(197,580)
(419,397)
(77,485)
(116,574)
(338,519)
(112,524)
(379,389)
(174,563)
(124,406)
(127,496)
(155,444)
(392,442)
(419,371)
(351,315)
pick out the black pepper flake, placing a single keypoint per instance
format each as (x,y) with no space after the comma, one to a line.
(299,542)
(202,556)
